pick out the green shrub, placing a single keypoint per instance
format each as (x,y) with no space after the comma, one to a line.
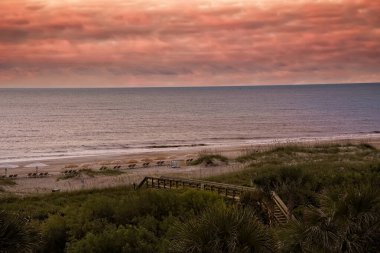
(16,235)
(346,221)
(121,239)
(7,181)
(54,234)
(223,230)
(209,159)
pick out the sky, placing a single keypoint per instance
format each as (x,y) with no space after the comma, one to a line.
(123,43)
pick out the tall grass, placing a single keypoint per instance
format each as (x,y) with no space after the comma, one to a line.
(299,174)
(209,159)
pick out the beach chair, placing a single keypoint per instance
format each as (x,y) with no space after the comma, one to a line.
(30,174)
(46,174)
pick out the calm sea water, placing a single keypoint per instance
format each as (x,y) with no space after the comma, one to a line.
(38,123)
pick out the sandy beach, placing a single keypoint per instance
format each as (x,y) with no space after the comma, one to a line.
(25,184)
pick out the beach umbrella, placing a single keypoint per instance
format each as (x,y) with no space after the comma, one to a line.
(160,158)
(132,161)
(146,160)
(36,165)
(7,166)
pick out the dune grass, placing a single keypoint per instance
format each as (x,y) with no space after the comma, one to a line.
(91,173)
(300,174)
(7,181)
(322,161)
(209,159)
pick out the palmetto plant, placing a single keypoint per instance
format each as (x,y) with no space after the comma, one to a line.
(347,222)
(15,235)
(219,229)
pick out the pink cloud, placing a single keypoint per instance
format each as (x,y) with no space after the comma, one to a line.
(95,43)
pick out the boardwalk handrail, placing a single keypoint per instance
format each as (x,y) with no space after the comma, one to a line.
(205,182)
(278,201)
(142,182)
(226,190)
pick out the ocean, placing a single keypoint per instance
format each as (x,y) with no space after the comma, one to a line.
(49,123)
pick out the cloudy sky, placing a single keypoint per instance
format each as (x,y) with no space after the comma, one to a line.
(82,43)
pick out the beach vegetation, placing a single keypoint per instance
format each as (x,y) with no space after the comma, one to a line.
(7,182)
(210,159)
(16,235)
(331,190)
(223,229)
(90,172)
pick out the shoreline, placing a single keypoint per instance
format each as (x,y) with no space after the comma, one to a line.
(88,155)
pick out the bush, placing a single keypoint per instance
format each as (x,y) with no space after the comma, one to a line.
(121,239)
(346,222)
(54,234)
(210,159)
(16,235)
(223,230)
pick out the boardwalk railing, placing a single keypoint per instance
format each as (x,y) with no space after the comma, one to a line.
(226,190)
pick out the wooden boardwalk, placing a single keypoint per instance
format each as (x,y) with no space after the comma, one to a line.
(280,212)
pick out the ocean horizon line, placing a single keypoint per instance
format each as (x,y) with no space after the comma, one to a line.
(189,86)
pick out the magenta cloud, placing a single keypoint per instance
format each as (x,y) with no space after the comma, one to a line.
(108,43)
